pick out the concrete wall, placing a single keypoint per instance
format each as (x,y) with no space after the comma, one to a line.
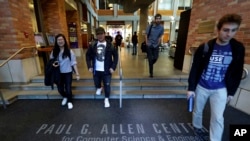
(20,70)
(242,96)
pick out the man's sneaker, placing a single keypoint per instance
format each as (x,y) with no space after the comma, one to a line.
(98,91)
(201,134)
(106,103)
(64,101)
(70,105)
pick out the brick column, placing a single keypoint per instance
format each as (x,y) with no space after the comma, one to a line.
(16,28)
(16,32)
(54,16)
(143,25)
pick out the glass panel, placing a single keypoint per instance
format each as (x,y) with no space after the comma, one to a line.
(105,4)
(184,4)
(120,7)
(165,4)
(102,4)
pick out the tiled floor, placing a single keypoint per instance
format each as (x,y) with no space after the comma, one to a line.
(136,66)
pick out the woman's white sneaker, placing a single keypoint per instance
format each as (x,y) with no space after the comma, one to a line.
(64,101)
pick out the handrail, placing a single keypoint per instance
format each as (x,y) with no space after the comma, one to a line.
(120,75)
(13,55)
(6,61)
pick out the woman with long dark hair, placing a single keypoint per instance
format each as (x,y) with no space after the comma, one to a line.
(65,59)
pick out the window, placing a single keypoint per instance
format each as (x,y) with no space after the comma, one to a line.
(184,4)
(165,4)
(105,4)
(120,7)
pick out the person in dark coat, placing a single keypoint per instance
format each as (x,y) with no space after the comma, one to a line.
(109,38)
(102,59)
(134,41)
(216,75)
(118,40)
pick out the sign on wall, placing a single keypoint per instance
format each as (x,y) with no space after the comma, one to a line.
(206,27)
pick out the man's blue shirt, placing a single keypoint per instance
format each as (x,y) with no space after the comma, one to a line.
(156,32)
(213,76)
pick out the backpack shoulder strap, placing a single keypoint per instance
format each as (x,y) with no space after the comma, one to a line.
(149,30)
(205,50)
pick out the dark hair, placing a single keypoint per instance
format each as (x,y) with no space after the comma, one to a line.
(56,49)
(157,15)
(229,18)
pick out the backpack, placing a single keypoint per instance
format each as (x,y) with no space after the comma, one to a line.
(143,47)
(143,44)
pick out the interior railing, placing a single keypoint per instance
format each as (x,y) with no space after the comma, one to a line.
(120,75)
(13,55)
(7,60)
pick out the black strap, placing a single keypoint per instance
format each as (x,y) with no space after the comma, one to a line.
(149,30)
(205,50)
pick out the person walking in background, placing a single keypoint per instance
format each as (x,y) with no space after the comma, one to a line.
(118,40)
(102,59)
(134,41)
(153,36)
(216,74)
(108,37)
(65,59)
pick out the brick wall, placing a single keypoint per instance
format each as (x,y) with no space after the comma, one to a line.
(208,10)
(16,25)
(16,28)
(54,16)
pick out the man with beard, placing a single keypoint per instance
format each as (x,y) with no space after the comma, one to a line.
(153,36)
(216,74)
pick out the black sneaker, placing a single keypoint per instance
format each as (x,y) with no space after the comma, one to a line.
(201,134)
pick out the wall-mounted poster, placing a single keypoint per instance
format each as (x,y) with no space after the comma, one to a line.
(51,39)
(39,39)
(73,35)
